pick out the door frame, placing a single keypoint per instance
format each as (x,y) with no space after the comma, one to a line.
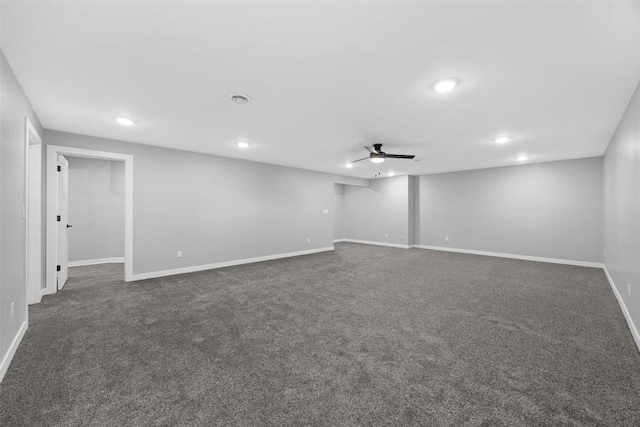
(52,207)
(33,225)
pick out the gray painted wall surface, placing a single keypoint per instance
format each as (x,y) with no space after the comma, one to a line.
(96,209)
(413,209)
(338,212)
(381,208)
(551,210)
(622,207)
(15,107)
(217,209)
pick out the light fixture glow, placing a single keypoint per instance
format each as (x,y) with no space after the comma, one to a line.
(445,85)
(124,121)
(501,139)
(348,165)
(391,174)
(243,144)
(377,159)
(522,158)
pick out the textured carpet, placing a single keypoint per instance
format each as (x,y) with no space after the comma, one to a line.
(361,336)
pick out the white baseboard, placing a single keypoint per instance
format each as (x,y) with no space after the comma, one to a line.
(514,256)
(94,261)
(339,240)
(164,273)
(369,242)
(623,307)
(44,292)
(6,360)
(38,298)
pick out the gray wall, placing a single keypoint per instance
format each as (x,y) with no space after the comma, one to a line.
(622,207)
(414,213)
(381,208)
(14,108)
(338,212)
(96,209)
(551,210)
(217,209)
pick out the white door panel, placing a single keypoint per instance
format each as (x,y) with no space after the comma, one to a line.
(63,211)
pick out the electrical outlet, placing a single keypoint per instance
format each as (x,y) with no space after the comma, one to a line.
(179,254)
(308,239)
(605,253)
(13,310)
(386,234)
(325,211)
(446,238)
(629,289)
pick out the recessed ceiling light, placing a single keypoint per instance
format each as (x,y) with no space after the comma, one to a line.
(239,98)
(501,139)
(124,121)
(348,165)
(242,144)
(445,85)
(522,158)
(391,174)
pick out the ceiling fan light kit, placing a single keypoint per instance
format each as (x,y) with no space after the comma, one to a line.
(376,158)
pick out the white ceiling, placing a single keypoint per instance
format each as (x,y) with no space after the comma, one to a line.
(328,77)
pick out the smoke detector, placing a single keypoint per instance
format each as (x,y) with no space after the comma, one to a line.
(239,98)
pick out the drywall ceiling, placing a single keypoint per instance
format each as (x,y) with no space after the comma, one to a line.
(326,78)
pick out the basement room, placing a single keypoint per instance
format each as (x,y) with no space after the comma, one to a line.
(319,213)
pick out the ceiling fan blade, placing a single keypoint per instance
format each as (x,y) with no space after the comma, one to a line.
(399,156)
(359,160)
(371,150)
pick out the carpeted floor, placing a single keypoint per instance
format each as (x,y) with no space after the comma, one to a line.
(364,336)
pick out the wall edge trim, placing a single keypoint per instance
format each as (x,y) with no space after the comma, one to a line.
(11,351)
(95,261)
(203,267)
(623,307)
(369,242)
(514,256)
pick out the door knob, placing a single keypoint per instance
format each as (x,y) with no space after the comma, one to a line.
(69,226)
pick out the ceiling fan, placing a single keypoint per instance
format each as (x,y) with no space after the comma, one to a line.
(378,156)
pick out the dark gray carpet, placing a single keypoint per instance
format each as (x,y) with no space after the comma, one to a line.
(361,336)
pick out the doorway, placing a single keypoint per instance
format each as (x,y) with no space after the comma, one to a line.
(95,212)
(57,208)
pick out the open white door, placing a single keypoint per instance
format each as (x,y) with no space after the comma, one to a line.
(63,220)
